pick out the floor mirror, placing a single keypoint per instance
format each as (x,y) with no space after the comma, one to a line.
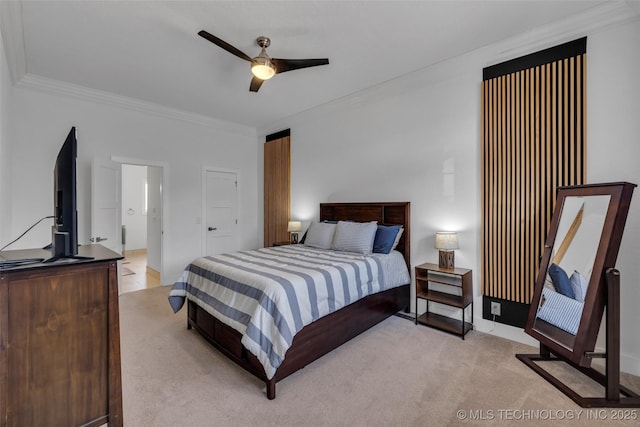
(577,280)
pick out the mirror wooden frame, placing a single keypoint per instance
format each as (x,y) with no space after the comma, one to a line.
(603,290)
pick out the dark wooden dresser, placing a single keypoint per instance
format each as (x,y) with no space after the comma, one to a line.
(60,341)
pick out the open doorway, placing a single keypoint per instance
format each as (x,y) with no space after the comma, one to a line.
(141,226)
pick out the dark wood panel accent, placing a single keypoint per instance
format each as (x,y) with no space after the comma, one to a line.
(552,54)
(60,342)
(278,135)
(511,312)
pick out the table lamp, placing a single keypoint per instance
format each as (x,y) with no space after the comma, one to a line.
(294,227)
(446,243)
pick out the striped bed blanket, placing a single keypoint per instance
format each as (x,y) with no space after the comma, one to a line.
(270,294)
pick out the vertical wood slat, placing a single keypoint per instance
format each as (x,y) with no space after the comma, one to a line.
(533,141)
(276,190)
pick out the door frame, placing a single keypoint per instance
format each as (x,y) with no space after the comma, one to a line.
(164,166)
(203,232)
(113,242)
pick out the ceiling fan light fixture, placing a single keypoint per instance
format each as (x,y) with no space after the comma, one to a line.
(262,68)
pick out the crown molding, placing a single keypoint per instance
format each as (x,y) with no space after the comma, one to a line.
(13,39)
(57,87)
(592,20)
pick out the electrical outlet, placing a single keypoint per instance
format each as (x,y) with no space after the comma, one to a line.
(495,308)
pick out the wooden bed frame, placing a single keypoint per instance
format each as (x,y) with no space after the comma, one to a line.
(328,332)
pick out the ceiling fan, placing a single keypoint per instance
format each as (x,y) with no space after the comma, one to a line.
(262,66)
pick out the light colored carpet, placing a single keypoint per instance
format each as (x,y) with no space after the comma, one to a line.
(396,374)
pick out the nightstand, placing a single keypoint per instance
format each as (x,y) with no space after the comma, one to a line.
(447,286)
(281,243)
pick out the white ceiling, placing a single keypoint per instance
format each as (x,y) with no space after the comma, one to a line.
(150,51)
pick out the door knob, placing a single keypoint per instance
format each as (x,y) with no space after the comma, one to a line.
(212,228)
(97,239)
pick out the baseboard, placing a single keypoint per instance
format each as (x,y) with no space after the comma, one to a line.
(153,273)
(132,252)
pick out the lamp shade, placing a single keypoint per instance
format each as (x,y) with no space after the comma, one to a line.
(294,226)
(446,240)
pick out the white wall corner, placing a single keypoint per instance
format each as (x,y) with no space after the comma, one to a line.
(13,39)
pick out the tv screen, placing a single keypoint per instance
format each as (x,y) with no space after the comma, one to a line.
(65,228)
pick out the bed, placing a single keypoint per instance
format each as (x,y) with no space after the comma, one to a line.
(282,350)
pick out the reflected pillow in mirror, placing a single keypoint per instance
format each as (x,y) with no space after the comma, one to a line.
(561,281)
(579,284)
(560,311)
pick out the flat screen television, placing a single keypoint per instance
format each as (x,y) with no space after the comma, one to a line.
(64,232)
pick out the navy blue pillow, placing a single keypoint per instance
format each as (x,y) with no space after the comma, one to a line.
(561,281)
(385,236)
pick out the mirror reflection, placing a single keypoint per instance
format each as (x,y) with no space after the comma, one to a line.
(568,276)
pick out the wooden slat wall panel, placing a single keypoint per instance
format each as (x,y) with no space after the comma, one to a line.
(276,190)
(533,141)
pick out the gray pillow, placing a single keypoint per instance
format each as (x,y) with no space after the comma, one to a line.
(320,235)
(355,236)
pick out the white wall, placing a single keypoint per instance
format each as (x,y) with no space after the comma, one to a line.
(134,217)
(41,120)
(613,129)
(6,94)
(409,138)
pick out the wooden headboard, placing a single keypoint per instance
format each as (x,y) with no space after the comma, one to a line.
(392,213)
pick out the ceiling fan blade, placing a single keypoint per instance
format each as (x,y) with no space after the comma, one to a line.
(283,65)
(255,84)
(224,45)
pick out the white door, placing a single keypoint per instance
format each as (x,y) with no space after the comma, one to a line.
(106,211)
(220,211)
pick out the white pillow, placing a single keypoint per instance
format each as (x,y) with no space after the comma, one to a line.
(320,235)
(579,284)
(355,236)
(398,236)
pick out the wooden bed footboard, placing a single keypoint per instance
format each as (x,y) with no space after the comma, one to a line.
(312,342)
